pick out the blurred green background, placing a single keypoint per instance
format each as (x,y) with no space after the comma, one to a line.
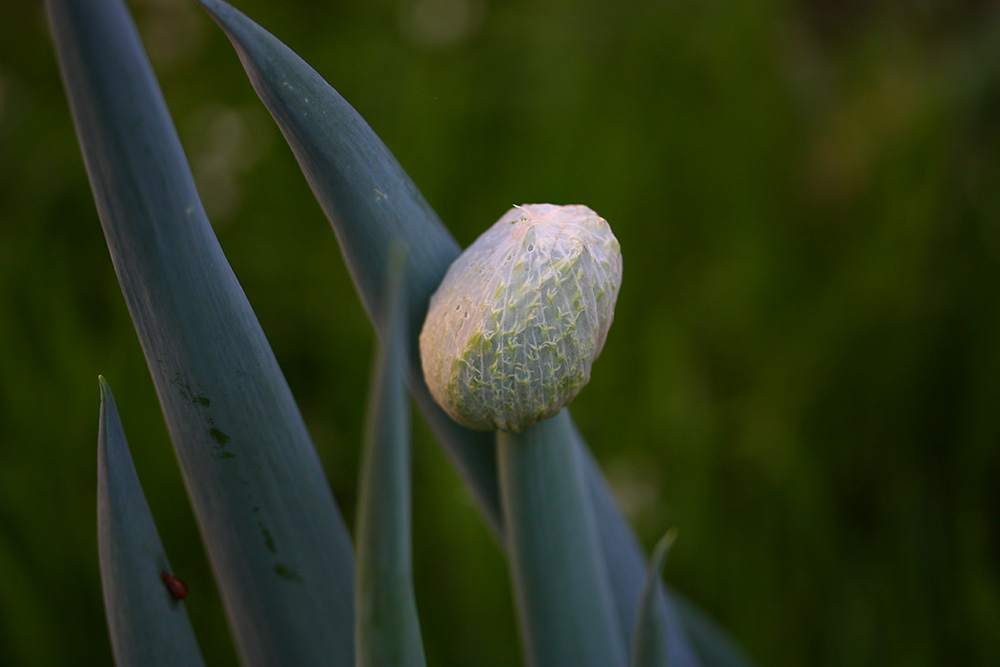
(804,371)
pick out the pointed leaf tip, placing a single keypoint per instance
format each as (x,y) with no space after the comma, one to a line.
(387,624)
(278,545)
(650,642)
(367,196)
(147,626)
(662,550)
(337,143)
(370,201)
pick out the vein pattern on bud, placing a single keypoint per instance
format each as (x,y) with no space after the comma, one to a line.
(519,318)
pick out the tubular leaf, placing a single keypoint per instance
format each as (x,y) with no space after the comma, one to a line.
(370,200)
(565,605)
(147,625)
(649,645)
(275,538)
(388,630)
(626,569)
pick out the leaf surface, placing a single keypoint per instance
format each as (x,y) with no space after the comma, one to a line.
(626,567)
(649,645)
(147,625)
(277,544)
(565,605)
(369,201)
(388,629)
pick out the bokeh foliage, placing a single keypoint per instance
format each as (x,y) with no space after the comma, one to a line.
(804,371)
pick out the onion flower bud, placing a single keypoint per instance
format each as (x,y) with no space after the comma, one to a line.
(520,316)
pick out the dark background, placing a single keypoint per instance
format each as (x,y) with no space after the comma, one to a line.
(804,371)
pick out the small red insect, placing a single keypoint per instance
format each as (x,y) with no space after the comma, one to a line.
(177,588)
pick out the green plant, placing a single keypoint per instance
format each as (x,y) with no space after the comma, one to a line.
(278,546)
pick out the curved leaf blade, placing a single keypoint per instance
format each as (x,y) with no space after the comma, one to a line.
(388,629)
(649,644)
(147,625)
(625,563)
(567,612)
(276,541)
(332,143)
(370,201)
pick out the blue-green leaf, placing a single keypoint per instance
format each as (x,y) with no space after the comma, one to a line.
(147,625)
(649,644)
(349,170)
(565,605)
(370,201)
(388,630)
(277,544)
(626,566)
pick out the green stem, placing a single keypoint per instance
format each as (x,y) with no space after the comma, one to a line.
(564,600)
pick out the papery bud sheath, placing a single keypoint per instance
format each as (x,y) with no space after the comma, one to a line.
(520,316)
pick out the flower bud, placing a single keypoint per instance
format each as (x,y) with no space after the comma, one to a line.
(520,316)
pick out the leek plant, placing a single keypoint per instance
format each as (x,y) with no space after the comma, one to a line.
(296,589)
